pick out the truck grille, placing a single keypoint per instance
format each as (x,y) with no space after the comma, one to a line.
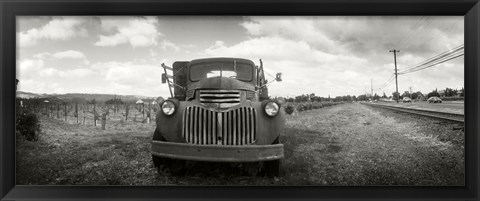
(235,127)
(219,98)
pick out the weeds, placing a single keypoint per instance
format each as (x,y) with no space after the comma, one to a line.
(28,126)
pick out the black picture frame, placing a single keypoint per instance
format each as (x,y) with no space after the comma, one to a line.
(11,8)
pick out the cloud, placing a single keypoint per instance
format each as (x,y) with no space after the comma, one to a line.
(169,45)
(131,77)
(59,28)
(281,49)
(29,67)
(36,69)
(69,54)
(136,31)
(40,86)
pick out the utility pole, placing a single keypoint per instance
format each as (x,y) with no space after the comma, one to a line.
(396,75)
(371,85)
(365,93)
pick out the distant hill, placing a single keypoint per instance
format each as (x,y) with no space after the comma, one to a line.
(80,97)
(21,94)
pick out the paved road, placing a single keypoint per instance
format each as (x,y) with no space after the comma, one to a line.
(444,107)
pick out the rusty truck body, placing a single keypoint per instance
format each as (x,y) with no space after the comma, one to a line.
(220,111)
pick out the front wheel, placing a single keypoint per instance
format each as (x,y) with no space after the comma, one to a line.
(158,161)
(272,168)
(175,166)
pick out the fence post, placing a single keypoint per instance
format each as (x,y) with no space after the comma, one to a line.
(20,109)
(76,111)
(94,116)
(58,108)
(65,111)
(104,119)
(126,111)
(83,107)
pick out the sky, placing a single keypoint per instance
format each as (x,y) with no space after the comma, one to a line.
(325,55)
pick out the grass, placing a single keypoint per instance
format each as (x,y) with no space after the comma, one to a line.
(346,144)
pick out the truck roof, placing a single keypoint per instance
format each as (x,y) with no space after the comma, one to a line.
(221,59)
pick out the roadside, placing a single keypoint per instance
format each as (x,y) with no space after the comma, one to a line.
(355,145)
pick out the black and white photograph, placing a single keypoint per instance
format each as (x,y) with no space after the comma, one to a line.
(240,100)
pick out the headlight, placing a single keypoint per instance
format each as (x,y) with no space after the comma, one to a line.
(168,107)
(271,108)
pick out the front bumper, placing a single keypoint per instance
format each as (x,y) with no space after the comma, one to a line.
(217,153)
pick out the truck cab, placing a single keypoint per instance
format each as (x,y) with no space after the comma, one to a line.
(219,112)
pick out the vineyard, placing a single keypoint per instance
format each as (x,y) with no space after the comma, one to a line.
(99,114)
(90,113)
(106,115)
(291,107)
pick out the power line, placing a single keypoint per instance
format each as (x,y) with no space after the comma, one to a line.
(426,23)
(447,29)
(411,31)
(434,64)
(437,56)
(445,56)
(387,83)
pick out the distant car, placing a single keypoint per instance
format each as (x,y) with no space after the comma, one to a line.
(407,100)
(434,99)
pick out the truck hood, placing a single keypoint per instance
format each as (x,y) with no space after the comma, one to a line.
(222,83)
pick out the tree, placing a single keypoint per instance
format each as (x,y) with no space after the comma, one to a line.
(376,97)
(115,101)
(348,98)
(450,92)
(384,96)
(160,100)
(433,93)
(406,94)
(362,97)
(462,92)
(417,95)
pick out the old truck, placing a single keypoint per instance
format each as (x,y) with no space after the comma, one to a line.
(219,111)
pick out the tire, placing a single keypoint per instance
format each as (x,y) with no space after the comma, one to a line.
(158,161)
(272,168)
(175,166)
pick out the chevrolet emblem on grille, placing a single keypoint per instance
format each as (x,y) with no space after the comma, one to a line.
(212,105)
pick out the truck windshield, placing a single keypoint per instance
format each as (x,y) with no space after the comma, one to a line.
(235,70)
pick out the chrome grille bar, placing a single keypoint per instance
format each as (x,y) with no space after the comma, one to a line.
(234,127)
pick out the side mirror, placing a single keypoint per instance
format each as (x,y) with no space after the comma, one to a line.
(278,78)
(164,78)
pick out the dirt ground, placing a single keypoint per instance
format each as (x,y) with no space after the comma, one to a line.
(348,144)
